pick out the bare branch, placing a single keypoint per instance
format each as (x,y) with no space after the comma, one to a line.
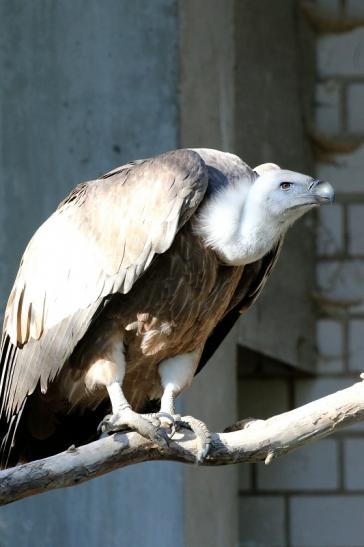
(260,440)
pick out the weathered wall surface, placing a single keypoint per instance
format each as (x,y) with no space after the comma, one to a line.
(207,55)
(274,72)
(84,87)
(315,497)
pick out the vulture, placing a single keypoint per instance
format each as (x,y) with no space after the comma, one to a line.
(128,288)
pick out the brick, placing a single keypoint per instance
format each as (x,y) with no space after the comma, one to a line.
(354,464)
(308,390)
(355,9)
(356,221)
(322,521)
(330,234)
(345,172)
(356,345)
(329,338)
(327,110)
(355,99)
(262,521)
(263,398)
(342,282)
(313,467)
(341,54)
(330,346)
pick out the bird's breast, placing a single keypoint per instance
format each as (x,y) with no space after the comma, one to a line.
(174,307)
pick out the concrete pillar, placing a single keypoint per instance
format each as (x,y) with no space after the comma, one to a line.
(207,119)
(274,95)
(85,86)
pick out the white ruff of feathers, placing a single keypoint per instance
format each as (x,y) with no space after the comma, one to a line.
(236,223)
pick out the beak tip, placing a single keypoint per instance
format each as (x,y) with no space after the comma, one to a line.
(324,192)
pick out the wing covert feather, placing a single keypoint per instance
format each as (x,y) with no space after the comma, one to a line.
(99,241)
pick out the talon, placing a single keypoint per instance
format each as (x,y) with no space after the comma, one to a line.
(104,424)
(202,435)
(171,423)
(161,437)
(166,415)
(148,427)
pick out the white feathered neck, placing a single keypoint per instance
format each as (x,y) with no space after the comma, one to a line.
(237,225)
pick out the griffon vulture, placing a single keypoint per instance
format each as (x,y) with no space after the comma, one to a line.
(128,288)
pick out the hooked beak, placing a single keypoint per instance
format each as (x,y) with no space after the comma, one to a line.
(322,191)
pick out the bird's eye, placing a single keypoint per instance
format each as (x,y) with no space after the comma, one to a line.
(285,185)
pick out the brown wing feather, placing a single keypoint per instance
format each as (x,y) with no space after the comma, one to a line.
(98,242)
(252,282)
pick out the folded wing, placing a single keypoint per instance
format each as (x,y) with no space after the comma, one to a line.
(98,242)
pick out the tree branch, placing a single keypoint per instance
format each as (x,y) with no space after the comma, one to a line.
(260,440)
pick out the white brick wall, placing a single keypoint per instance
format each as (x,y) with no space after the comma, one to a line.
(269,512)
(355,228)
(330,346)
(327,521)
(354,464)
(341,54)
(330,235)
(327,114)
(342,282)
(356,345)
(355,108)
(314,467)
(345,172)
(315,496)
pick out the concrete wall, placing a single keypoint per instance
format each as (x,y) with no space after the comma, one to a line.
(207,55)
(315,497)
(84,87)
(274,88)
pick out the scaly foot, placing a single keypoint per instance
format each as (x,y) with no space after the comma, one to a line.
(147,426)
(175,422)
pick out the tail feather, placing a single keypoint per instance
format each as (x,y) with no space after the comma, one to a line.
(42,428)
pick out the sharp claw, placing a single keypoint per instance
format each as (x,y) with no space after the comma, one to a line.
(203,453)
(202,435)
(102,427)
(172,420)
(162,437)
(150,427)
(165,415)
(173,431)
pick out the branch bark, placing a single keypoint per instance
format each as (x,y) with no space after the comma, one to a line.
(260,440)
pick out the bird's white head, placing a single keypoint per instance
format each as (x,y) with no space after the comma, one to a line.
(243,223)
(283,196)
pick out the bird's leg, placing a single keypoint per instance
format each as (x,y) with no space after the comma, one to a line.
(109,371)
(123,417)
(176,374)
